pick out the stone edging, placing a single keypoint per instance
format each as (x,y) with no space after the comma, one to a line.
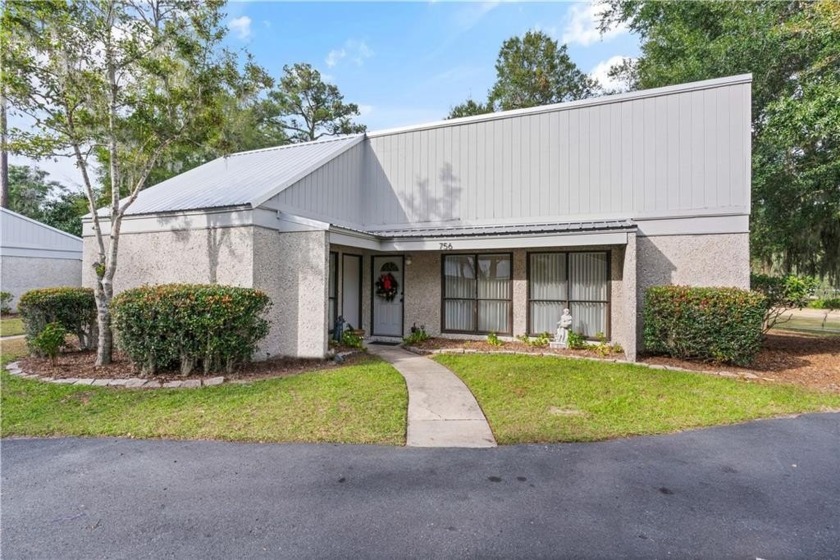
(741,375)
(129,382)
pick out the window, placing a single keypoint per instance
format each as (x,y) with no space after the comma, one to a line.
(477,293)
(333,293)
(579,281)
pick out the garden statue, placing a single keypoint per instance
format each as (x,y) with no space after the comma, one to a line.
(563,326)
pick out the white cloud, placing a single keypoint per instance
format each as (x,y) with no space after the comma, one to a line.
(467,17)
(601,73)
(582,25)
(353,50)
(241,27)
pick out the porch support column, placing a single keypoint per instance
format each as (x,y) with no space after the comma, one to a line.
(630,297)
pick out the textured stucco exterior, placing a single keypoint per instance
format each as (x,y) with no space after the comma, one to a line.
(292,268)
(214,256)
(720,260)
(18,275)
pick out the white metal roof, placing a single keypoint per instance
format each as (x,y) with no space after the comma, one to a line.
(246,178)
(504,229)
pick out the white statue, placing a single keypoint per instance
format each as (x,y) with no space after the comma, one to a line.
(563,326)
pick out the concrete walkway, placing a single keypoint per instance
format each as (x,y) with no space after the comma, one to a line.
(441,410)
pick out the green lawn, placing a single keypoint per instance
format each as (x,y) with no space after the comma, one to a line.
(538,400)
(11,326)
(362,403)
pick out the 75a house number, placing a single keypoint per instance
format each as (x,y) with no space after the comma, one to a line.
(446,246)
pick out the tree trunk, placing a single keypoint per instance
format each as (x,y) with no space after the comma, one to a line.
(4,155)
(104,349)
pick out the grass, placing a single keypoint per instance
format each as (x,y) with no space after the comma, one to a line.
(362,403)
(531,399)
(11,326)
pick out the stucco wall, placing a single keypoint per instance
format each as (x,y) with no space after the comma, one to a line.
(422,292)
(292,268)
(216,256)
(691,260)
(21,274)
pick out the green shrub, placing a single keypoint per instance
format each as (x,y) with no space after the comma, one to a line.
(494,340)
(825,303)
(540,341)
(713,324)
(418,334)
(782,293)
(186,325)
(5,302)
(576,341)
(49,341)
(72,308)
(351,339)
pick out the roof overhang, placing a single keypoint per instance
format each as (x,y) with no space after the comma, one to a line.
(485,237)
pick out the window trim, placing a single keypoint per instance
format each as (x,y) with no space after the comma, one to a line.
(332,296)
(476,299)
(568,301)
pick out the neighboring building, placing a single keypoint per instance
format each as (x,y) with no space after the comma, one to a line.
(35,255)
(492,223)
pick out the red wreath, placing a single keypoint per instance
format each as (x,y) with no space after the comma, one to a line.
(387,286)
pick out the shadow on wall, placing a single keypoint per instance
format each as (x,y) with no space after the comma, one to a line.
(217,237)
(424,206)
(428,199)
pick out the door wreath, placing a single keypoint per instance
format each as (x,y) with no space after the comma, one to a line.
(387,286)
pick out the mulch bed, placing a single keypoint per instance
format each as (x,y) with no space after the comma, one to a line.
(80,364)
(517,346)
(800,359)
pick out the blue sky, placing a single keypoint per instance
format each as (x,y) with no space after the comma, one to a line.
(409,62)
(405,63)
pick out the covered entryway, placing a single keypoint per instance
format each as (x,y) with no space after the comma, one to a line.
(388,296)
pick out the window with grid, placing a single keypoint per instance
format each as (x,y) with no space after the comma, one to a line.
(579,281)
(477,293)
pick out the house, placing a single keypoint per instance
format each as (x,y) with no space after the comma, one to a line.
(493,223)
(35,255)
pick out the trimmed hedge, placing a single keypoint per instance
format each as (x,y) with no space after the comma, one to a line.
(187,325)
(712,324)
(72,308)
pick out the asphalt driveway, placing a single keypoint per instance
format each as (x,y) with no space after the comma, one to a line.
(768,489)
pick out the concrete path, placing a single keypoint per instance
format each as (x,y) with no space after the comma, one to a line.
(441,410)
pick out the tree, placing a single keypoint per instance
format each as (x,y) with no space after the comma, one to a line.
(49,202)
(65,212)
(469,108)
(306,108)
(531,70)
(29,190)
(792,50)
(119,77)
(534,70)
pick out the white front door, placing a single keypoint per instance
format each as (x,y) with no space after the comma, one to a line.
(388,296)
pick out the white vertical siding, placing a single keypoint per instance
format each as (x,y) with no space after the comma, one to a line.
(333,191)
(680,153)
(23,237)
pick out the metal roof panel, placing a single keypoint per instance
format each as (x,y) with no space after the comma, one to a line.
(245,178)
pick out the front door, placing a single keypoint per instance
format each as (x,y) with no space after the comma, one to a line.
(387,296)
